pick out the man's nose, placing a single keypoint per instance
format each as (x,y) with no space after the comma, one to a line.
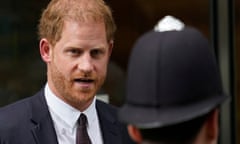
(85,64)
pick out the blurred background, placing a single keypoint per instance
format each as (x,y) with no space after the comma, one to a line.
(22,72)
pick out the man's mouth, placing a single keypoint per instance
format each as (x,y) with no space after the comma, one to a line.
(83,80)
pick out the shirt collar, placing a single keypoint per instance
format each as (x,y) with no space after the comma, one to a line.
(66,112)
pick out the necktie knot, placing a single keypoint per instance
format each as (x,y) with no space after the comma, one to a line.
(82,121)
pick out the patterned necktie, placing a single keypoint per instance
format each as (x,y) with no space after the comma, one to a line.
(82,135)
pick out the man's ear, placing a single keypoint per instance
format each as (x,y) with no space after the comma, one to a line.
(110,45)
(45,50)
(134,133)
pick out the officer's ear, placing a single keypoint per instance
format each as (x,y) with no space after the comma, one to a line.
(209,131)
(134,133)
(213,125)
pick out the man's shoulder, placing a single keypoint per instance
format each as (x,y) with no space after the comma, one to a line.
(17,110)
(15,121)
(16,107)
(14,116)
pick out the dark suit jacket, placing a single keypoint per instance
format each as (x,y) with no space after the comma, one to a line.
(28,121)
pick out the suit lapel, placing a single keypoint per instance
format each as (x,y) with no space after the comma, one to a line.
(42,125)
(108,123)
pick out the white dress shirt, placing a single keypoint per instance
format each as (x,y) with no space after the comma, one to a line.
(65,118)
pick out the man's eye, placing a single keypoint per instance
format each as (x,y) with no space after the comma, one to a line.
(74,52)
(96,53)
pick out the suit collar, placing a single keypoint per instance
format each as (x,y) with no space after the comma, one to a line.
(42,124)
